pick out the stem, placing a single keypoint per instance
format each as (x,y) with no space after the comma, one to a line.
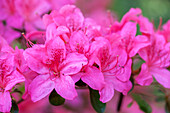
(120,102)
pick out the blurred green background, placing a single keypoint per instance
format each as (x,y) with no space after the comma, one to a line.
(153,9)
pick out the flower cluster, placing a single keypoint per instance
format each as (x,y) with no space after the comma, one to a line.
(25,15)
(78,49)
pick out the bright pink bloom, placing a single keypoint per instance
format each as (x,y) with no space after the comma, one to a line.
(90,75)
(69,24)
(31,11)
(131,42)
(55,68)
(157,57)
(131,15)
(114,66)
(69,16)
(10,75)
(146,27)
(9,13)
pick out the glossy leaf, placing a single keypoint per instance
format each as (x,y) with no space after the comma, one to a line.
(130,104)
(55,99)
(144,106)
(96,103)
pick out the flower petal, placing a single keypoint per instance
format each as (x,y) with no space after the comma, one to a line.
(53,31)
(106,93)
(126,72)
(94,78)
(65,87)
(120,86)
(5,102)
(79,42)
(161,75)
(144,77)
(34,57)
(140,42)
(56,49)
(14,78)
(129,30)
(73,63)
(40,87)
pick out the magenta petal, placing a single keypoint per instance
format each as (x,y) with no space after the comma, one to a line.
(106,93)
(94,78)
(76,77)
(34,57)
(40,87)
(120,86)
(56,49)
(129,30)
(144,77)
(125,72)
(145,26)
(161,75)
(5,101)
(13,79)
(143,54)
(65,87)
(73,63)
(140,42)
(79,42)
(53,31)
(132,14)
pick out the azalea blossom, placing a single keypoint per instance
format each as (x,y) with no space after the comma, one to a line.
(55,68)
(114,66)
(156,56)
(10,75)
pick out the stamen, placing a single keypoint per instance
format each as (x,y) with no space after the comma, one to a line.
(160,23)
(31,44)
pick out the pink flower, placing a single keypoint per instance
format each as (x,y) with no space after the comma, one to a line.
(114,66)
(69,16)
(92,76)
(8,33)
(146,27)
(131,15)
(123,34)
(10,75)
(132,43)
(9,13)
(157,57)
(55,68)
(31,11)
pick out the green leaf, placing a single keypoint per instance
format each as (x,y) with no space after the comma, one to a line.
(14,108)
(96,103)
(138,30)
(160,99)
(130,104)
(55,99)
(144,106)
(137,63)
